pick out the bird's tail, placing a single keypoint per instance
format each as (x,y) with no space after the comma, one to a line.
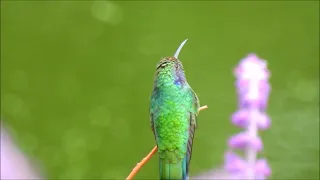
(171,167)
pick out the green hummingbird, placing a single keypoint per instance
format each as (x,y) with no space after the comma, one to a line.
(173,115)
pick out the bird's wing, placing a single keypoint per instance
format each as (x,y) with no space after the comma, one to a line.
(151,111)
(152,125)
(193,124)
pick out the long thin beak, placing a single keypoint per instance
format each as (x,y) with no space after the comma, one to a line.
(179,49)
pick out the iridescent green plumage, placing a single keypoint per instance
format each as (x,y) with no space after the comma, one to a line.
(173,111)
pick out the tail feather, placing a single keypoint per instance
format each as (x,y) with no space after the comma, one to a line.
(173,170)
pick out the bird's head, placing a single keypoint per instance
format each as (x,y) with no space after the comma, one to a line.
(172,62)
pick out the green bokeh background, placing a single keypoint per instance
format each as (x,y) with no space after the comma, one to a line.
(76,78)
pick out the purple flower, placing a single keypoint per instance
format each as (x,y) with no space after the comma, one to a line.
(253,91)
(14,163)
(244,140)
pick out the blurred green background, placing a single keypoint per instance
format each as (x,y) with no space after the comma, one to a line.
(76,78)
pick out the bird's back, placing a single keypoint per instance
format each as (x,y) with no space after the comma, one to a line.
(171,107)
(171,118)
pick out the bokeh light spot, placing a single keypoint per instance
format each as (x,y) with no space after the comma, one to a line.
(15,106)
(99,116)
(304,90)
(75,145)
(107,12)
(95,141)
(125,129)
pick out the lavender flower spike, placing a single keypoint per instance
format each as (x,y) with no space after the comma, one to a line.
(253,91)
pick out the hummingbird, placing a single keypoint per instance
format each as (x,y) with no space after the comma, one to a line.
(173,115)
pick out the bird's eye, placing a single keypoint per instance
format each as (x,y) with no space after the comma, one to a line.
(161,65)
